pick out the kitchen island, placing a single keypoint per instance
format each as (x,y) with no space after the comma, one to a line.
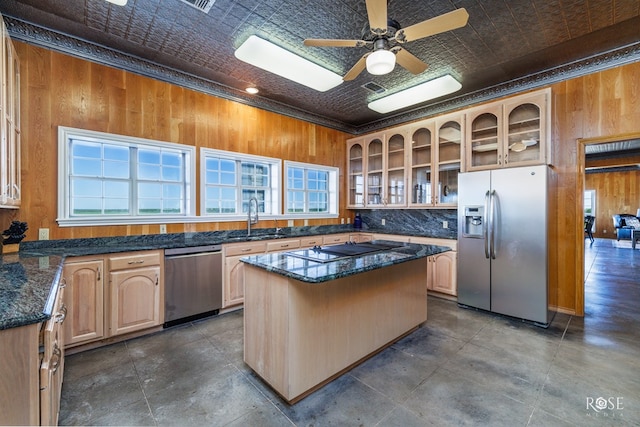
(306,322)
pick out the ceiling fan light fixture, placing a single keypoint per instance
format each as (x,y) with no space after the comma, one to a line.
(252,90)
(118,2)
(274,59)
(381,62)
(414,95)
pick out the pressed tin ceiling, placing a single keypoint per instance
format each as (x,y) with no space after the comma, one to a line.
(507,46)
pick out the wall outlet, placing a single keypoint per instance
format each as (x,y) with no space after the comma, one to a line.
(341,220)
(604,231)
(290,223)
(445,224)
(43,262)
(306,222)
(383,221)
(43,234)
(163,228)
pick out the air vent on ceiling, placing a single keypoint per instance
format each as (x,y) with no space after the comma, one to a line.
(374,87)
(203,5)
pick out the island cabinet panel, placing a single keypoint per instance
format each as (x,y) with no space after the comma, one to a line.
(299,336)
(233,286)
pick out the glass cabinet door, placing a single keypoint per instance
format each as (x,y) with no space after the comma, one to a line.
(485,141)
(374,173)
(449,161)
(420,182)
(395,167)
(523,135)
(356,176)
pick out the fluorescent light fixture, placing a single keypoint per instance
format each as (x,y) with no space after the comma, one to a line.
(381,62)
(272,58)
(423,92)
(118,2)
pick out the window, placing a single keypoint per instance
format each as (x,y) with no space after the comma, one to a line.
(115,179)
(230,180)
(311,190)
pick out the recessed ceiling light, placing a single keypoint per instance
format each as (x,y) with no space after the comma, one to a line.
(252,90)
(423,92)
(272,58)
(118,2)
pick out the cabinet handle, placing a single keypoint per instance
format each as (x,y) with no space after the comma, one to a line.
(98,270)
(246,250)
(140,261)
(284,246)
(55,360)
(157,279)
(63,282)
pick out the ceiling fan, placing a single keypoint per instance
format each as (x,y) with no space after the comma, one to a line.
(384,37)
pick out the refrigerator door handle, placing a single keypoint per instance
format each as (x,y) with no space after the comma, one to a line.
(492,225)
(485,226)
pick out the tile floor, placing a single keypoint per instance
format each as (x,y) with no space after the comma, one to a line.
(462,368)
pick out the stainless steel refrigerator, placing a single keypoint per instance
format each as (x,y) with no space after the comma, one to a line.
(503,242)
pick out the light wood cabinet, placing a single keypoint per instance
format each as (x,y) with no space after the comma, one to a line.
(132,300)
(436,159)
(309,242)
(335,239)
(360,237)
(84,299)
(10,187)
(136,292)
(32,369)
(441,272)
(355,179)
(233,286)
(508,133)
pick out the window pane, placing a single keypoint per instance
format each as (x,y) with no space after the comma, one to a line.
(85,167)
(87,206)
(116,189)
(116,206)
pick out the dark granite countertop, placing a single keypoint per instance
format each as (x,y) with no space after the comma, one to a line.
(317,272)
(27,279)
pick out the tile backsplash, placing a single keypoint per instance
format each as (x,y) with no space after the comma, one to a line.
(423,222)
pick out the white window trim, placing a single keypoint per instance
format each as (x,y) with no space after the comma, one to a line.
(334,197)
(232,155)
(65,220)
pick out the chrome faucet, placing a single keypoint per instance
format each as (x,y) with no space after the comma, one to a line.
(252,219)
(278,229)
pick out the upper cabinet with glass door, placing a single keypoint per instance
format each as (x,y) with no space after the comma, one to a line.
(395,182)
(449,131)
(374,189)
(9,122)
(421,163)
(355,179)
(509,133)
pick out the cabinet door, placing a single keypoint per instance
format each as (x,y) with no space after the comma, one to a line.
(135,299)
(395,192)
(233,281)
(84,299)
(443,275)
(525,130)
(355,162)
(52,367)
(484,144)
(448,158)
(421,164)
(375,185)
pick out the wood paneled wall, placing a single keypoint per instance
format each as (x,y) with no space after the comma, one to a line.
(60,90)
(616,193)
(594,106)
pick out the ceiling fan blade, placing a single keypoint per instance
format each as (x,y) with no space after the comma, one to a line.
(356,69)
(409,61)
(334,42)
(377,12)
(449,21)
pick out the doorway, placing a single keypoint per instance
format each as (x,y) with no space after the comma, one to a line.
(610,144)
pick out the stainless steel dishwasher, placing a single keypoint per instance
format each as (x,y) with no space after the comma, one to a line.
(193,283)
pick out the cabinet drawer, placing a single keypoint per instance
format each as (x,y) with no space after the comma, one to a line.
(244,249)
(134,260)
(307,242)
(283,245)
(333,239)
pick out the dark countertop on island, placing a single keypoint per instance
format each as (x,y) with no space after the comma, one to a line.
(317,272)
(28,280)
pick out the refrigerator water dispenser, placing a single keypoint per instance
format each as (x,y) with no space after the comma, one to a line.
(473,221)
